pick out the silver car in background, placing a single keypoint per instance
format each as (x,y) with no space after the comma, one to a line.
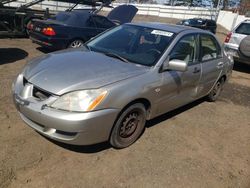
(107,90)
(237,43)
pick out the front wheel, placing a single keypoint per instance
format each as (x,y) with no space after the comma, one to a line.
(216,91)
(129,126)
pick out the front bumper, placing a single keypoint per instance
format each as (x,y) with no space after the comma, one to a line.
(63,126)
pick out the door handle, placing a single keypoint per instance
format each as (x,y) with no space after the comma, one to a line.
(196,70)
(220,65)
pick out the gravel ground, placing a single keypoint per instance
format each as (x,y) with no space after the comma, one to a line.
(199,145)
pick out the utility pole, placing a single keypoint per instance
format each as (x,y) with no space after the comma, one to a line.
(218,10)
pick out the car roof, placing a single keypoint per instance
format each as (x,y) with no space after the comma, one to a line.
(166,27)
(78,13)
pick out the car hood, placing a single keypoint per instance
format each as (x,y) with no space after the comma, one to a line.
(123,13)
(70,70)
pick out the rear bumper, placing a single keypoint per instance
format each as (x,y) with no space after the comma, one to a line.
(49,42)
(235,53)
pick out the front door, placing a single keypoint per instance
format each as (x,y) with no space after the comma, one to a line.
(186,83)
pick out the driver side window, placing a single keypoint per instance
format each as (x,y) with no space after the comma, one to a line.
(186,50)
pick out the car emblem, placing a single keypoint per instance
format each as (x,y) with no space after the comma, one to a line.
(38,29)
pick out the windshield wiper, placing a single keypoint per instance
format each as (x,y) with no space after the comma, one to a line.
(117,57)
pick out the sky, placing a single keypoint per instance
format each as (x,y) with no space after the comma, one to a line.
(204,2)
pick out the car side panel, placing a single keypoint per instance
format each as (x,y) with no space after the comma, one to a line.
(236,39)
(210,72)
(84,33)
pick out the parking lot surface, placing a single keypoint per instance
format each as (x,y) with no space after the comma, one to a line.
(199,145)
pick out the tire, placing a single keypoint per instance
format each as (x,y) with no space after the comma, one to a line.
(245,46)
(76,43)
(129,126)
(216,91)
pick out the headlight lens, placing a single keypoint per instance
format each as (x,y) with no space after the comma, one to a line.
(80,101)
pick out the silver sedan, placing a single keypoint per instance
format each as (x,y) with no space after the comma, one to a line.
(108,89)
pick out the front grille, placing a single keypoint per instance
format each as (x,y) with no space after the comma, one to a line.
(36,91)
(40,94)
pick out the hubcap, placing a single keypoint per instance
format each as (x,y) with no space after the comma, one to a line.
(129,124)
(76,44)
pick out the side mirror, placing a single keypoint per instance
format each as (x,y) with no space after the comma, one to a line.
(175,64)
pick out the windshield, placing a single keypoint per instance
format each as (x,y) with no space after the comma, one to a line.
(136,44)
(73,18)
(195,22)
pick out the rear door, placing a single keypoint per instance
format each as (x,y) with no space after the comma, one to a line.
(211,62)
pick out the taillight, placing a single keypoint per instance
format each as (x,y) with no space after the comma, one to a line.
(49,31)
(228,37)
(30,26)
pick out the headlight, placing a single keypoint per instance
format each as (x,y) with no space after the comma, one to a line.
(80,101)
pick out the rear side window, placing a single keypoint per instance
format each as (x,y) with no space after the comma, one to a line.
(102,22)
(243,28)
(210,49)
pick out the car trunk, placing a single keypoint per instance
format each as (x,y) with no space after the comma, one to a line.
(123,13)
(39,25)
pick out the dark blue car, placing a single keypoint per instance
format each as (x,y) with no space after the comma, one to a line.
(72,29)
(206,24)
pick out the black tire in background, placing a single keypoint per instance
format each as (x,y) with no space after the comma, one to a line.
(245,46)
(76,43)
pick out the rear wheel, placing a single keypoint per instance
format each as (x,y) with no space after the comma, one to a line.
(76,43)
(216,91)
(245,46)
(129,126)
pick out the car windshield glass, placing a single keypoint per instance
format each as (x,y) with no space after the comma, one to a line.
(196,22)
(244,28)
(136,44)
(61,17)
(71,18)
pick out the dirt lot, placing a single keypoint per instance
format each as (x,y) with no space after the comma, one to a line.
(200,145)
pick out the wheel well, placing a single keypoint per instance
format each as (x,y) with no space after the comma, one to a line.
(73,39)
(223,77)
(143,101)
